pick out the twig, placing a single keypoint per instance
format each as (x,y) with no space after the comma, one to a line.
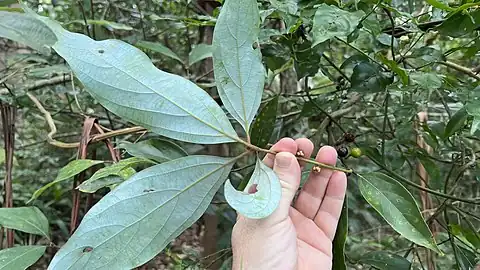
(95,138)
(459,68)
(42,83)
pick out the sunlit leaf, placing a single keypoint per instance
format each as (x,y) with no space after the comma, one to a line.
(20,258)
(440,5)
(340,239)
(26,30)
(239,72)
(112,170)
(199,52)
(383,260)
(262,128)
(469,237)
(330,22)
(68,171)
(143,214)
(456,123)
(25,219)
(261,195)
(107,181)
(368,78)
(397,206)
(4,3)
(158,150)
(159,48)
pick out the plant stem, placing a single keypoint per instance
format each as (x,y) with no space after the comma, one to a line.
(311,161)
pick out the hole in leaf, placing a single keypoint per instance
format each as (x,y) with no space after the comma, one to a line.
(255,45)
(148,190)
(101,51)
(87,249)
(252,189)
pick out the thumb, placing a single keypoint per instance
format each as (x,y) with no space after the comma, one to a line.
(288,171)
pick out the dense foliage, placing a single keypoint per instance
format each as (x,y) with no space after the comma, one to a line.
(111,151)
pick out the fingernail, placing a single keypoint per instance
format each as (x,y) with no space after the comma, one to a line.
(283,160)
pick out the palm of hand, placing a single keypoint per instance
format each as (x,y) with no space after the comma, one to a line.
(298,237)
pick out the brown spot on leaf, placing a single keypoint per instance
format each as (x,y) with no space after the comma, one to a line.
(148,190)
(87,249)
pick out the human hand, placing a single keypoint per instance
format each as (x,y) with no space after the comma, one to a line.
(298,236)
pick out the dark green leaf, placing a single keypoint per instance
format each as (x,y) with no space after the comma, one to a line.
(4,3)
(367,78)
(262,128)
(460,24)
(25,219)
(143,214)
(354,60)
(456,123)
(466,258)
(307,59)
(20,258)
(158,150)
(425,55)
(340,239)
(397,206)
(330,22)
(383,260)
(68,171)
(430,167)
(159,48)
(395,68)
(469,237)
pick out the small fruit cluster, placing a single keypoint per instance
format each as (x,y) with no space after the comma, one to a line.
(343,151)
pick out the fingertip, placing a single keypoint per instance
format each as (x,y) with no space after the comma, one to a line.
(283,145)
(327,155)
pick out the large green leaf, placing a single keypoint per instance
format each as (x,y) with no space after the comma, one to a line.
(68,171)
(262,128)
(330,22)
(158,150)
(25,219)
(340,239)
(456,123)
(367,77)
(123,79)
(239,72)
(26,30)
(460,24)
(158,47)
(287,6)
(113,170)
(261,195)
(20,258)
(397,206)
(136,220)
(199,52)
(383,260)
